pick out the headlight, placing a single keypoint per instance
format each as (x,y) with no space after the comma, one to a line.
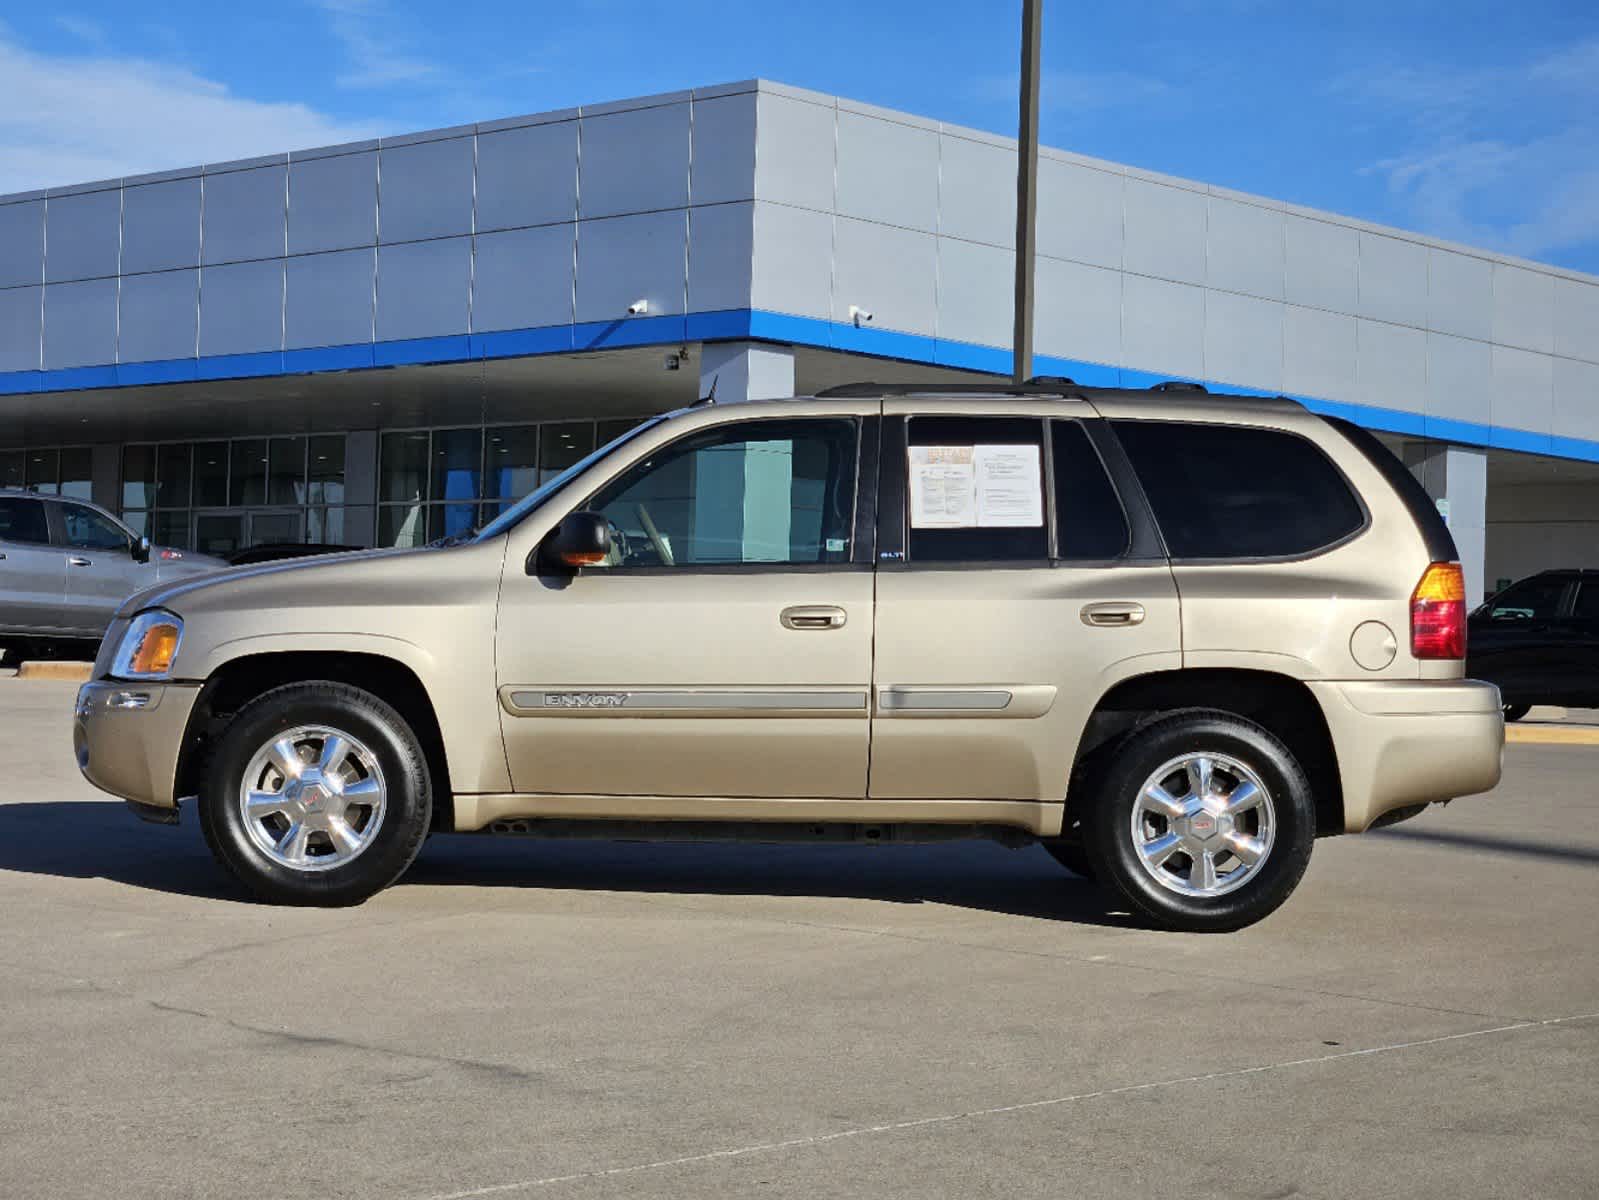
(149,646)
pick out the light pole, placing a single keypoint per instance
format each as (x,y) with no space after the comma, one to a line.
(1027,190)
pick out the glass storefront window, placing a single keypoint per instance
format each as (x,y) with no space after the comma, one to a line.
(211,475)
(219,533)
(77,473)
(325,471)
(11,468)
(138,477)
(450,520)
(325,525)
(172,476)
(248,474)
(563,446)
(286,471)
(257,491)
(270,529)
(457,465)
(513,459)
(404,465)
(607,432)
(402,525)
(42,471)
(172,529)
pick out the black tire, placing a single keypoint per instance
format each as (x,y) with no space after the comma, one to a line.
(1114,791)
(1514,712)
(1073,856)
(348,710)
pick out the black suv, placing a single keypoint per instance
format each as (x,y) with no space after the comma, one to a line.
(1539,641)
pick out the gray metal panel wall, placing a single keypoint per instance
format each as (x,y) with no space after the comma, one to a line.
(780,199)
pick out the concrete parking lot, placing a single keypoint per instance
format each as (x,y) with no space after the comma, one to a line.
(599,1019)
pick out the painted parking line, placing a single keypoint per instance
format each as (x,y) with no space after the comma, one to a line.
(503,1189)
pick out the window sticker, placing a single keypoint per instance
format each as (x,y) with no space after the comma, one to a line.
(1010,490)
(986,487)
(943,487)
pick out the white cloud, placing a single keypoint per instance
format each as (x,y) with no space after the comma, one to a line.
(78,118)
(1502,156)
(379,57)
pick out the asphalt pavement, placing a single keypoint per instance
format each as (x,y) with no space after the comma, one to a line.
(521,1018)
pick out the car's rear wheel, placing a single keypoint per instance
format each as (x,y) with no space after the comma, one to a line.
(316,793)
(1202,821)
(1514,712)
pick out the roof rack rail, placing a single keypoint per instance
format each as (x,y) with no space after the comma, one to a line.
(1037,387)
(1178,385)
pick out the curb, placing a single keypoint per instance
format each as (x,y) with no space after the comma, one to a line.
(73,672)
(1552,735)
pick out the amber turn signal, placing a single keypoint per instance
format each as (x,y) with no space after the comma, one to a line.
(156,650)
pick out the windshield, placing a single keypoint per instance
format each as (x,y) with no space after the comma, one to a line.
(513,515)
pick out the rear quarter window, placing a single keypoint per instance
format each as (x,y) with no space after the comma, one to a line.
(1232,491)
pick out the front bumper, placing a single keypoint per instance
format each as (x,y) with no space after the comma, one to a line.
(127,738)
(1403,743)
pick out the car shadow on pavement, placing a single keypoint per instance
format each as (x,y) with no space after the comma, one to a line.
(964,874)
(101,840)
(93,839)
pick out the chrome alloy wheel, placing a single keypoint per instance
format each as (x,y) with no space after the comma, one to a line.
(1203,824)
(313,798)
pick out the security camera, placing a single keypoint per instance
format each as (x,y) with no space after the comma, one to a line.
(673,362)
(638,308)
(859,315)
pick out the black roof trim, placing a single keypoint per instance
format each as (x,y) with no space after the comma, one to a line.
(858,391)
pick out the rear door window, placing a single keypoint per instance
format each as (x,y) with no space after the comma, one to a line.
(1089,520)
(22,520)
(975,490)
(1236,492)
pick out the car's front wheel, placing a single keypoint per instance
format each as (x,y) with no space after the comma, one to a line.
(316,793)
(1201,820)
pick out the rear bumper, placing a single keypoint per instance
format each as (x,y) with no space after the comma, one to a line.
(127,737)
(1402,743)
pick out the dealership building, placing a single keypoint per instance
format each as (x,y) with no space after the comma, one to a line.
(384,342)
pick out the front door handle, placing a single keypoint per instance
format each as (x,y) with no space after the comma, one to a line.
(814,616)
(1113,613)
(79,562)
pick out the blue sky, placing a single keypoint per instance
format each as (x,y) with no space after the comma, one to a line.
(1474,121)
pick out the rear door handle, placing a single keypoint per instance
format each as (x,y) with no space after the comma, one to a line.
(79,562)
(1113,613)
(814,616)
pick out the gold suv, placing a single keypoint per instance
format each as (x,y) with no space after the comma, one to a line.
(1172,636)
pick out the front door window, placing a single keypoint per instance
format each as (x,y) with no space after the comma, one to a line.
(90,530)
(751,493)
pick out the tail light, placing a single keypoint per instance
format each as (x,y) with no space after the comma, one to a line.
(1438,613)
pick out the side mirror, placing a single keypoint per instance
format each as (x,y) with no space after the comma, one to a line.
(582,539)
(140,550)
